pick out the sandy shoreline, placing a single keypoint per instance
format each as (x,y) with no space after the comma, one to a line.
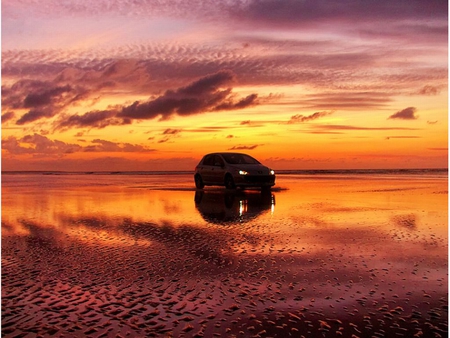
(315,258)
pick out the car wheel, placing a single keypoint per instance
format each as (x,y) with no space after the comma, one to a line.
(229,182)
(199,182)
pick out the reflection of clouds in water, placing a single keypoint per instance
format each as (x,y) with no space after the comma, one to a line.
(171,207)
(349,261)
(190,270)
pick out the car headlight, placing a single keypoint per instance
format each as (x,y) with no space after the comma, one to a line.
(272,172)
(242,172)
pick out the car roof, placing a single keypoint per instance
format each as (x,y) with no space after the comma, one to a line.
(225,152)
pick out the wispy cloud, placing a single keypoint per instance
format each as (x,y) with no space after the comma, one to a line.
(170,131)
(241,147)
(299,118)
(429,90)
(41,145)
(402,137)
(345,99)
(108,146)
(337,127)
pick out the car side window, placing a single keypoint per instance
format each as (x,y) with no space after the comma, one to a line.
(218,162)
(209,160)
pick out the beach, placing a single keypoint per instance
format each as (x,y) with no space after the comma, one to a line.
(320,255)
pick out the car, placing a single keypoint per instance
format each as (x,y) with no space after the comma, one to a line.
(232,170)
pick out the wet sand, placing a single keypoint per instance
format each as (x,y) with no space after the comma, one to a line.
(329,256)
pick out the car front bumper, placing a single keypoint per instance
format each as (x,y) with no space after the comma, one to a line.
(255,180)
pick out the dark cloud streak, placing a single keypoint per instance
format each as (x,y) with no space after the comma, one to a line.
(201,96)
(405,114)
(302,118)
(34,115)
(7,116)
(308,12)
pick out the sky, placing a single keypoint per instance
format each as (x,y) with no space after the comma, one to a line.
(116,85)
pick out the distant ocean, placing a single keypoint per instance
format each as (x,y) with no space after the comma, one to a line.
(418,172)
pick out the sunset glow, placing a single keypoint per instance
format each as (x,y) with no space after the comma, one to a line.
(154,85)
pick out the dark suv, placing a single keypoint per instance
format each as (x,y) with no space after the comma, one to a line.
(232,170)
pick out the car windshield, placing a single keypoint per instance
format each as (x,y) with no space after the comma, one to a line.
(239,159)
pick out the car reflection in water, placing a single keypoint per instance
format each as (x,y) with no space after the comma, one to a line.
(228,207)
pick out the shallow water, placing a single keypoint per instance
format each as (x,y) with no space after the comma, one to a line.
(148,255)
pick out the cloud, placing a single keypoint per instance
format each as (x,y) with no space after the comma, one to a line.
(170,131)
(252,124)
(405,114)
(294,13)
(248,101)
(439,149)
(402,137)
(108,146)
(38,144)
(95,119)
(429,91)
(7,116)
(244,147)
(34,115)
(301,118)
(12,146)
(210,129)
(334,127)
(41,145)
(45,97)
(346,99)
(201,96)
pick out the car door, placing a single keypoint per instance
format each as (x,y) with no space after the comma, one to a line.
(206,169)
(218,170)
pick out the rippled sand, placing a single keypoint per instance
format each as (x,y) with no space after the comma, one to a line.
(362,256)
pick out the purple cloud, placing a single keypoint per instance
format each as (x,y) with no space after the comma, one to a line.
(108,146)
(95,119)
(170,131)
(301,118)
(429,91)
(405,114)
(245,102)
(34,115)
(45,97)
(244,147)
(200,96)
(7,116)
(42,145)
(300,13)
